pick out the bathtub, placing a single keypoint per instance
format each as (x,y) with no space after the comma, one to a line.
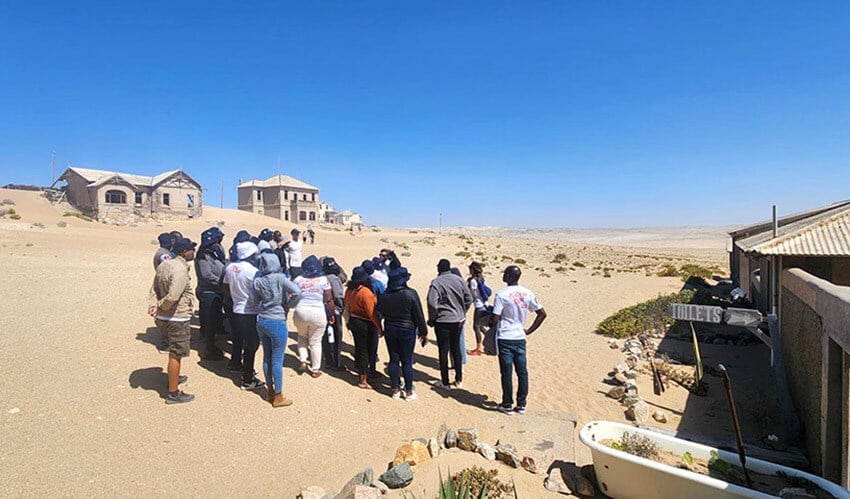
(623,475)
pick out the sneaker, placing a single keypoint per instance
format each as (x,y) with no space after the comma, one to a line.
(506,410)
(182,379)
(398,394)
(520,409)
(254,384)
(410,396)
(457,384)
(179,397)
(439,384)
(474,352)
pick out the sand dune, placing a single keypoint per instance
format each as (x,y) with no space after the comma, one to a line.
(83,380)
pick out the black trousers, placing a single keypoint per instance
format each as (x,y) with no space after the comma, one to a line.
(364,333)
(212,319)
(448,341)
(332,350)
(246,339)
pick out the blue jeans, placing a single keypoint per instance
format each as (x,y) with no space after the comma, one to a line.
(273,334)
(512,356)
(400,344)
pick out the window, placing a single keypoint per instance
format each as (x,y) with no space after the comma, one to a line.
(313,216)
(302,216)
(116,197)
(190,200)
(305,197)
(259,195)
(166,199)
(313,197)
(138,198)
(286,195)
(286,215)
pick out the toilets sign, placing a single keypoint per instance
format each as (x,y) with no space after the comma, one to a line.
(696,313)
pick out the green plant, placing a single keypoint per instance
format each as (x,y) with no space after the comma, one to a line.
(606,274)
(668,271)
(718,465)
(688,459)
(578,264)
(15,216)
(636,445)
(414,231)
(61,224)
(645,317)
(475,482)
(464,254)
(78,215)
(38,225)
(520,261)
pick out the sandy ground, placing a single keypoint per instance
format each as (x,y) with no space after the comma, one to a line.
(81,409)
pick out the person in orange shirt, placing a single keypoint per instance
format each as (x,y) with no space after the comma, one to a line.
(360,300)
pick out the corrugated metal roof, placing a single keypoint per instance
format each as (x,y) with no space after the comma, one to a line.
(99,177)
(279,181)
(824,234)
(767,225)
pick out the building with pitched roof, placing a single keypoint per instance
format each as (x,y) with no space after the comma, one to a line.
(816,241)
(282,197)
(118,197)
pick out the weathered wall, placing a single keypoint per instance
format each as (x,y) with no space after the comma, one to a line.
(77,193)
(815,335)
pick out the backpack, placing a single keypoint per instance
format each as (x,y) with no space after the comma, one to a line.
(485,291)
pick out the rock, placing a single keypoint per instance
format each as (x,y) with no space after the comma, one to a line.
(451,439)
(487,451)
(555,483)
(617,392)
(414,453)
(433,447)
(467,439)
(381,486)
(507,454)
(441,435)
(621,367)
(632,361)
(613,345)
(589,472)
(421,440)
(529,464)
(621,378)
(635,350)
(659,416)
(312,492)
(631,389)
(362,479)
(398,476)
(639,412)
(577,483)
(366,492)
(630,400)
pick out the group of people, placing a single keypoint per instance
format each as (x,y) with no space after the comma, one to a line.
(261,279)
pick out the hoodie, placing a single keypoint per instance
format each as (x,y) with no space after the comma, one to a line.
(272,290)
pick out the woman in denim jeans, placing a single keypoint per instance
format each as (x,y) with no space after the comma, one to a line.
(276,295)
(403,322)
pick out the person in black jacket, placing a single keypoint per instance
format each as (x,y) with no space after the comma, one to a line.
(403,322)
(209,265)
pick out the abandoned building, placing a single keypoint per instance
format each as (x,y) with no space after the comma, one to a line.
(282,197)
(119,197)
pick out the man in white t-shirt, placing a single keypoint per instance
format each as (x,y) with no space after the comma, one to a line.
(510,308)
(293,253)
(239,278)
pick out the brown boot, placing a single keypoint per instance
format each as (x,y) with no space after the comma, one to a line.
(270,393)
(280,401)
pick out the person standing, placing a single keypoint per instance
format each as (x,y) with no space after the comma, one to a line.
(332,340)
(313,313)
(510,308)
(170,303)
(360,300)
(163,253)
(293,253)
(239,277)
(275,295)
(378,286)
(480,294)
(448,300)
(403,322)
(209,265)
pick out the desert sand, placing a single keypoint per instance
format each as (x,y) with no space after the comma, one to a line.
(82,381)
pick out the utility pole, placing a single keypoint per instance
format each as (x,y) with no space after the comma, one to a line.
(53,170)
(222,193)
(441,222)
(278,164)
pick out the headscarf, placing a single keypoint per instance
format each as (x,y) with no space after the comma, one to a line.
(329,266)
(268,263)
(359,277)
(398,278)
(311,267)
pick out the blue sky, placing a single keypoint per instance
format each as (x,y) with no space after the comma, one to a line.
(549,114)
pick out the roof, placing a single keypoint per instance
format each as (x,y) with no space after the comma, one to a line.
(825,233)
(99,177)
(279,181)
(767,225)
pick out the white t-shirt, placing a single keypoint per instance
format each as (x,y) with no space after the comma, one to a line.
(312,290)
(382,276)
(477,300)
(512,304)
(239,276)
(293,252)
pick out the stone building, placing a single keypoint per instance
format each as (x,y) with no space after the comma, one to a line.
(120,197)
(282,197)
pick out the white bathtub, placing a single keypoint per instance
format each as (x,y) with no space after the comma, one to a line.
(623,475)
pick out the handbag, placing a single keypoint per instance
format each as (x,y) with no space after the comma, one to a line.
(489,343)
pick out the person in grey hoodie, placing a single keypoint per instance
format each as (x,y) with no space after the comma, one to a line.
(276,294)
(448,300)
(209,265)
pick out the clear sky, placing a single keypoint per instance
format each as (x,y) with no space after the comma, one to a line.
(549,114)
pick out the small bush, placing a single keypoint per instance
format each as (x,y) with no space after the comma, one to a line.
(464,254)
(692,269)
(637,445)
(476,482)
(606,274)
(668,271)
(78,215)
(38,225)
(61,224)
(647,317)
(15,216)
(578,265)
(520,261)
(414,232)
(8,202)
(3,212)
